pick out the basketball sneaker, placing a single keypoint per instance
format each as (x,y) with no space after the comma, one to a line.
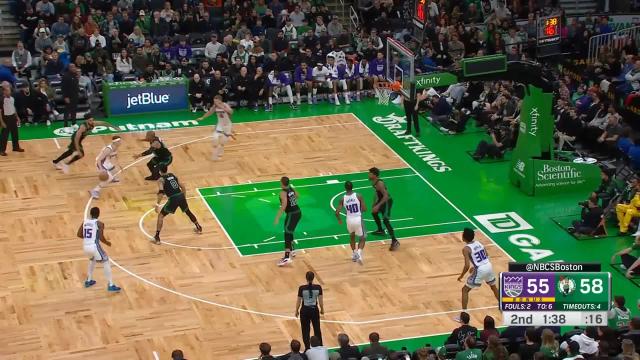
(292,253)
(156,240)
(89,283)
(113,288)
(394,245)
(378,232)
(284,261)
(354,257)
(58,166)
(198,229)
(65,168)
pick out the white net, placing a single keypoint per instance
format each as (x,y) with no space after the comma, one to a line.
(383,94)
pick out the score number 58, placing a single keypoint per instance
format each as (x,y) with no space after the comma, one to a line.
(587,286)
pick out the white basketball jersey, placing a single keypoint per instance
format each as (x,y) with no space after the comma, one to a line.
(90,232)
(352,205)
(478,254)
(111,154)
(224,121)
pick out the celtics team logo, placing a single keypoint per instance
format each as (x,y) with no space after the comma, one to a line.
(566,285)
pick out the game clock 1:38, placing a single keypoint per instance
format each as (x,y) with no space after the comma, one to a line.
(554,319)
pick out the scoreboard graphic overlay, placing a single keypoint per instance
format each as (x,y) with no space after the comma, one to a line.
(555,298)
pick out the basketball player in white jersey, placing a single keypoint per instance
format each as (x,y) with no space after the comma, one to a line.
(223,130)
(475,254)
(337,80)
(92,234)
(355,206)
(107,162)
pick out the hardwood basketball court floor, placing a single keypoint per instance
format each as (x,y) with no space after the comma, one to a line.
(219,294)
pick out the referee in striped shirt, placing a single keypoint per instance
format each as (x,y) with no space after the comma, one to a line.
(309,297)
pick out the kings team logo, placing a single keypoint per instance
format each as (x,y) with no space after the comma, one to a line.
(512,285)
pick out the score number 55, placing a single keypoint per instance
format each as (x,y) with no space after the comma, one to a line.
(587,286)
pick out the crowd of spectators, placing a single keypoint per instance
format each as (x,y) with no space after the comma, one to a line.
(619,340)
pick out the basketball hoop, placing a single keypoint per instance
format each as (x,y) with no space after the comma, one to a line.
(384,89)
(383,92)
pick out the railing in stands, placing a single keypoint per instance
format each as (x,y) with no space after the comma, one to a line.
(354,21)
(615,41)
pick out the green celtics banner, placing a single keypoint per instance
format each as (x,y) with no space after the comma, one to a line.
(532,167)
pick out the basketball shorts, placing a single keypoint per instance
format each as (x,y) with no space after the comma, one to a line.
(385,209)
(95,252)
(175,202)
(219,138)
(481,274)
(291,221)
(355,225)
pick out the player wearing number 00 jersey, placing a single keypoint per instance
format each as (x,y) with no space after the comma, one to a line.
(475,254)
(354,206)
(92,234)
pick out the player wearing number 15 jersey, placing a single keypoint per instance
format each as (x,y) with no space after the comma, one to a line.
(354,205)
(475,254)
(92,234)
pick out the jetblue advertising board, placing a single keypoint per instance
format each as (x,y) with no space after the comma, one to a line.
(133,100)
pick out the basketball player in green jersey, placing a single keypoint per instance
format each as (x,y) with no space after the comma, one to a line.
(169,186)
(75,149)
(382,203)
(289,206)
(161,156)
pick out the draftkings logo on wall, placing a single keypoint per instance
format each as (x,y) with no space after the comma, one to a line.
(503,222)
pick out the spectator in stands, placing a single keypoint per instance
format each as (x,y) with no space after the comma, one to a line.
(630,259)
(177,355)
(70,92)
(42,41)
(460,333)
(60,45)
(345,351)
(374,349)
(241,85)
(258,89)
(45,10)
(628,351)
(470,352)
(80,43)
(158,28)
(586,342)
(489,328)
(495,350)
(30,104)
(265,352)
(530,346)
(297,16)
(610,136)
(573,351)
(96,37)
(295,353)
(21,60)
(183,50)
(212,48)
(124,65)
(316,351)
(549,345)
(335,27)
(52,64)
(49,95)
(619,315)
(627,212)
(60,27)
(139,61)
(9,121)
(632,80)
(136,38)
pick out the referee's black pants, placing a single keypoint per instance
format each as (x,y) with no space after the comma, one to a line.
(411,115)
(11,122)
(308,316)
